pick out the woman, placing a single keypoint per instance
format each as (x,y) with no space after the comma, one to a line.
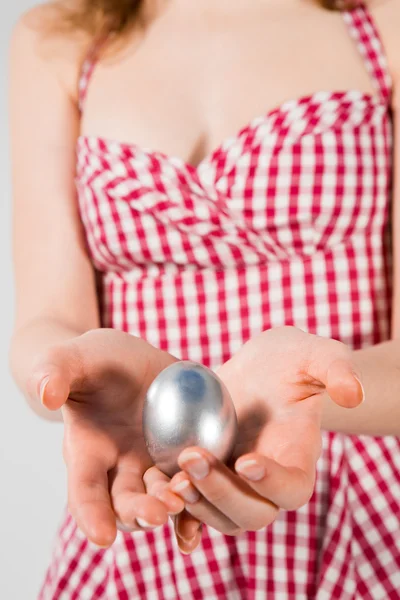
(265,256)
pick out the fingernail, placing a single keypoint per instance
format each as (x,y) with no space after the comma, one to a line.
(191,544)
(187,552)
(187,492)
(196,465)
(124,528)
(144,524)
(251,469)
(42,388)
(362,389)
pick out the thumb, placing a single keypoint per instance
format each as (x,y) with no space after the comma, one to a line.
(57,374)
(344,385)
(334,367)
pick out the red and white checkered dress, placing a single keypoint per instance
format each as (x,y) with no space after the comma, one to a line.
(285,223)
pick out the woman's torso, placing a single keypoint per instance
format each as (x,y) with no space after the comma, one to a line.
(283,221)
(201,244)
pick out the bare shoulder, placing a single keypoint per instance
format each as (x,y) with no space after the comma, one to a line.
(386,14)
(39,42)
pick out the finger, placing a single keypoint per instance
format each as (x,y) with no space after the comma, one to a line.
(89,500)
(200,508)
(188,532)
(226,491)
(156,484)
(56,375)
(188,548)
(333,365)
(343,385)
(287,487)
(133,508)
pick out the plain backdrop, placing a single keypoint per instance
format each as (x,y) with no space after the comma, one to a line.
(33,491)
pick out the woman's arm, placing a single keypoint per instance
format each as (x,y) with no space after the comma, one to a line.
(104,373)
(55,286)
(380,364)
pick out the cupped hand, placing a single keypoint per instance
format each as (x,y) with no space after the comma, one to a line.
(99,380)
(277,382)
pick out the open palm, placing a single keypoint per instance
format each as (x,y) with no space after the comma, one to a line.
(100,381)
(277,381)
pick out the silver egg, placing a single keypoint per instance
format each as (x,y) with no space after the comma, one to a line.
(187,405)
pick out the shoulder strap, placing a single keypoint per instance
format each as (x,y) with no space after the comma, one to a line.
(87,69)
(364,32)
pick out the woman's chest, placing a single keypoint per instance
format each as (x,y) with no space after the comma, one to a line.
(197,77)
(306,178)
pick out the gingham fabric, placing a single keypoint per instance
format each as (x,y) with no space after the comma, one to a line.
(285,223)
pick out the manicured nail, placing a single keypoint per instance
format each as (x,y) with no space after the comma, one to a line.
(186,552)
(144,524)
(191,544)
(362,389)
(196,465)
(187,492)
(124,528)
(251,469)
(42,388)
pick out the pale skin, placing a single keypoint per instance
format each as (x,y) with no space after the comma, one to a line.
(201,72)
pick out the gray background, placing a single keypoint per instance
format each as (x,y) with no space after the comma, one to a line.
(32,492)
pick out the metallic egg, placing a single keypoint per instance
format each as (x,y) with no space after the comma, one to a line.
(187,405)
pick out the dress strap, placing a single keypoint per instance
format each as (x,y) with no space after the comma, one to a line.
(87,69)
(363,30)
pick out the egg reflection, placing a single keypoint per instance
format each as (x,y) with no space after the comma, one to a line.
(187,405)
